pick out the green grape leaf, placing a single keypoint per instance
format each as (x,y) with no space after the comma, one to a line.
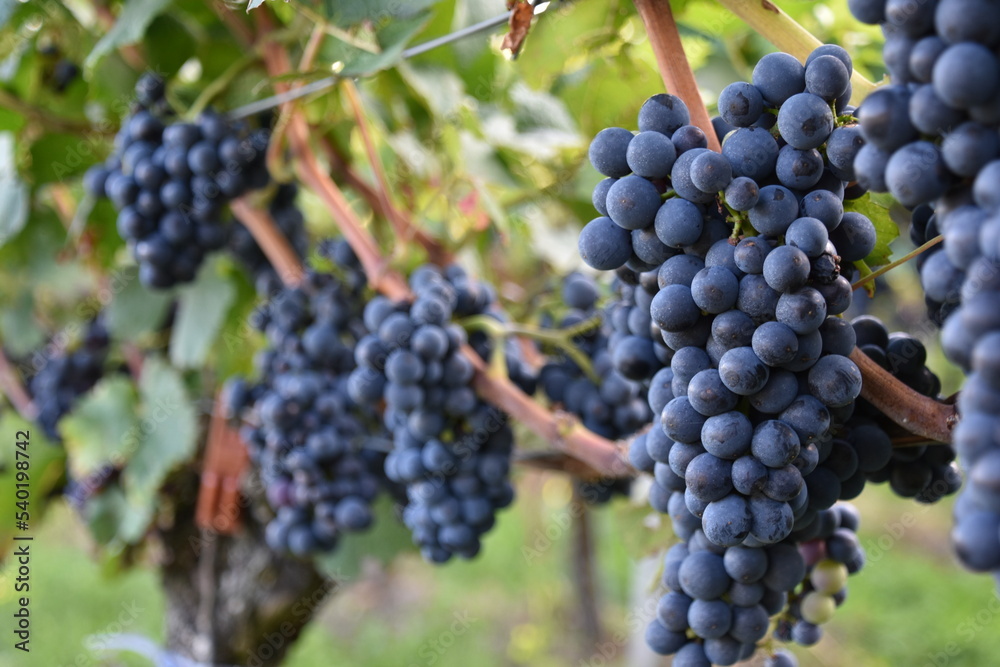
(136,310)
(169,426)
(19,329)
(200,315)
(886,230)
(57,157)
(389,39)
(131,25)
(347,13)
(103,428)
(169,44)
(11,120)
(385,540)
(113,516)
(46,466)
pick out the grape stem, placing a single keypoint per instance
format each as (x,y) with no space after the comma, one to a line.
(13,389)
(379,276)
(738,219)
(787,35)
(220,84)
(918,414)
(864,271)
(562,430)
(561,338)
(677,74)
(561,462)
(902,260)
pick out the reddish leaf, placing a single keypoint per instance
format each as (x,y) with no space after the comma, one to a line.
(520,24)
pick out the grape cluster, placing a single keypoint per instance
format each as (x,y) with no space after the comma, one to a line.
(937,124)
(638,351)
(170,181)
(289,221)
(58,385)
(924,471)
(830,558)
(319,453)
(67,375)
(976,534)
(607,402)
(750,251)
(450,449)
(940,279)
(933,139)
(720,600)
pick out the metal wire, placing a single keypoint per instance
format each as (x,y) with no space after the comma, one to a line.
(330,81)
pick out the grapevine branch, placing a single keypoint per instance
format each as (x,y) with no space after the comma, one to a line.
(274,244)
(558,461)
(313,175)
(404,227)
(564,431)
(133,359)
(343,171)
(561,429)
(786,34)
(918,414)
(674,67)
(389,283)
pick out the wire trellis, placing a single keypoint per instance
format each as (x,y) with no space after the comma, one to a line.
(330,81)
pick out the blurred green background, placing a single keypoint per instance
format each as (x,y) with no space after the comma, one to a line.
(515,134)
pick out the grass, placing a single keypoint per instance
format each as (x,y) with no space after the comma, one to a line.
(911,605)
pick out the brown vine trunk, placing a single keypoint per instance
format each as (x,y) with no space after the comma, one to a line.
(230,600)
